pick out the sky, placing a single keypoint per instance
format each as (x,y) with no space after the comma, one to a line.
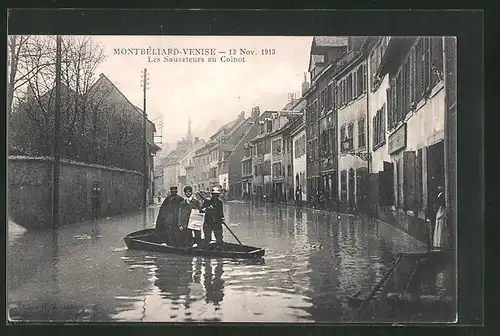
(211,94)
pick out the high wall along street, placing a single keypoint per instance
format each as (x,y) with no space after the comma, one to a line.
(345,176)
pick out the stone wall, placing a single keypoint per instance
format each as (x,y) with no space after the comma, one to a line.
(30,191)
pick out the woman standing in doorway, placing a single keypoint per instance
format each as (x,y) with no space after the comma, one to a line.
(437,240)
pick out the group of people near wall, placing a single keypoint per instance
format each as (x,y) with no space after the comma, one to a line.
(181,220)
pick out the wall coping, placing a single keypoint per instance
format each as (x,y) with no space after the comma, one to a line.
(70,162)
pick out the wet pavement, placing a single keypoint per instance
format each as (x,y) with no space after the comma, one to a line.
(314,262)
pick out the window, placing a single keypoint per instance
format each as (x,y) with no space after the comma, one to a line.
(350,134)
(361,133)
(267,167)
(359,86)
(277,146)
(379,127)
(277,169)
(349,88)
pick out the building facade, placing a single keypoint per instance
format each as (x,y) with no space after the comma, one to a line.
(415,122)
(353,128)
(261,159)
(320,117)
(186,176)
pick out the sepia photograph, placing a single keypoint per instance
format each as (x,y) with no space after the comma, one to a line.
(187,178)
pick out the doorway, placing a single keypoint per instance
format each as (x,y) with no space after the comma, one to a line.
(435,173)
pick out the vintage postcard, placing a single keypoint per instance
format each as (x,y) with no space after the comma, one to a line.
(299,179)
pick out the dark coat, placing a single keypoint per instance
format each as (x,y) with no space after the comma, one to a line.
(168,219)
(214,211)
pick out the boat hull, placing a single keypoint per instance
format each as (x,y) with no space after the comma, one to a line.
(144,240)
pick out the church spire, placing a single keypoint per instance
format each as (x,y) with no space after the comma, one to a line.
(189,134)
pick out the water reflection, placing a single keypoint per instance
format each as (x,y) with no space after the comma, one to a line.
(313,262)
(213,282)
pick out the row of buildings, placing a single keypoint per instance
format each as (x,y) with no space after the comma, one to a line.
(373,131)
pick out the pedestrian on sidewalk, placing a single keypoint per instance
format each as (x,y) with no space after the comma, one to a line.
(298,196)
(190,219)
(168,218)
(214,217)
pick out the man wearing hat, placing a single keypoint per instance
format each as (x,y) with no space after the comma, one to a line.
(214,217)
(167,222)
(190,219)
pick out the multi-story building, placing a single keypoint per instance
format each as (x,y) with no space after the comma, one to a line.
(175,163)
(414,122)
(130,116)
(239,151)
(352,104)
(381,172)
(247,171)
(261,160)
(215,156)
(325,50)
(294,112)
(186,162)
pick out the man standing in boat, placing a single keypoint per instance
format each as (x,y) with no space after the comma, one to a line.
(214,217)
(167,222)
(190,219)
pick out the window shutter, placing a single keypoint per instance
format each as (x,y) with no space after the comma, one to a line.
(349,88)
(427,65)
(374,126)
(437,59)
(363,77)
(421,69)
(406,87)
(412,74)
(400,95)
(382,123)
(355,83)
(393,103)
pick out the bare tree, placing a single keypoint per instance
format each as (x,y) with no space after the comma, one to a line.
(31,89)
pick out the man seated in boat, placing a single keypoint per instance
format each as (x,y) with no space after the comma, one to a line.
(167,222)
(190,219)
(214,217)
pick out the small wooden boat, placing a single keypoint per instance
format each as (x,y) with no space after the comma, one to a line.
(145,240)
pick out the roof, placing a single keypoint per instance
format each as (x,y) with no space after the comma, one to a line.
(330,41)
(105,78)
(227,127)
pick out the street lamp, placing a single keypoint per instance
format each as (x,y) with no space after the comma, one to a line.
(346,146)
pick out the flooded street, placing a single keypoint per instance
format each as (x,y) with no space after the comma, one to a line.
(314,261)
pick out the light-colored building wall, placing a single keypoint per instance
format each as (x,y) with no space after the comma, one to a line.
(352,112)
(171,176)
(378,100)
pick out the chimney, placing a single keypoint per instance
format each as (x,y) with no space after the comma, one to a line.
(255,113)
(305,84)
(196,139)
(241,115)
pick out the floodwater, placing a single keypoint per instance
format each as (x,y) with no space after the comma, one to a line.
(314,261)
